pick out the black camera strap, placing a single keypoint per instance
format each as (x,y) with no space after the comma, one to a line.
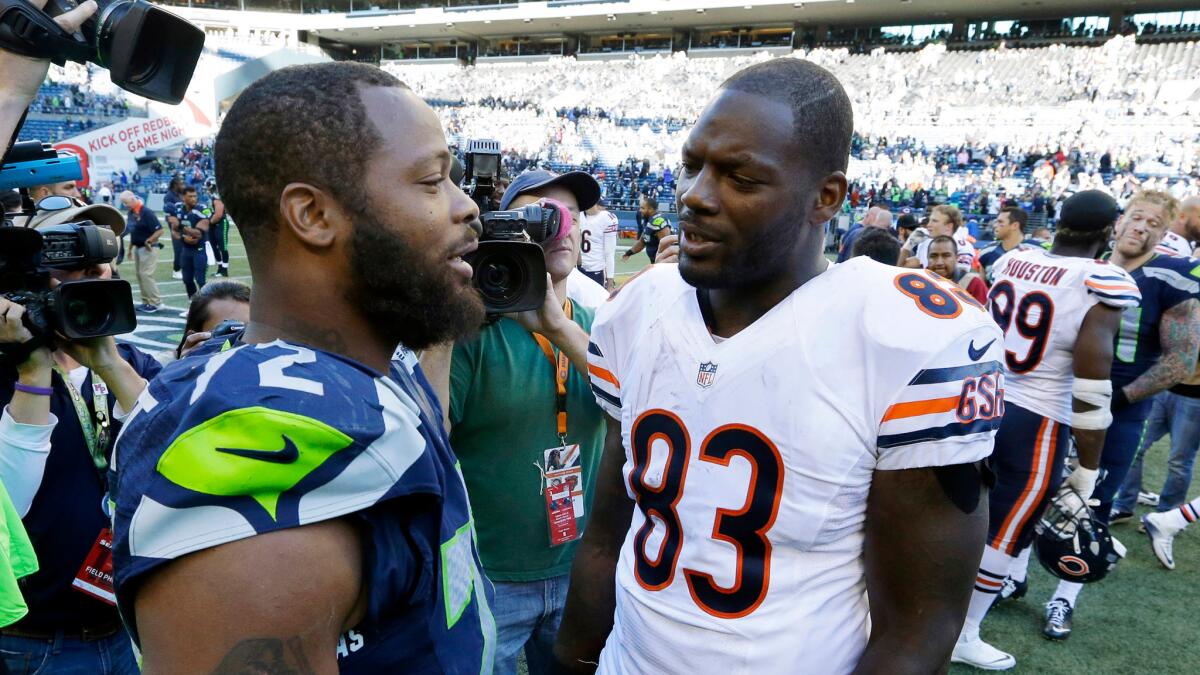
(29,31)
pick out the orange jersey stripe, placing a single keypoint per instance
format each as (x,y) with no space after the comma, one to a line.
(1108,287)
(918,408)
(604,375)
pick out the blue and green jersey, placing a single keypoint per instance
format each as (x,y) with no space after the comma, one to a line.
(242,440)
(1164,281)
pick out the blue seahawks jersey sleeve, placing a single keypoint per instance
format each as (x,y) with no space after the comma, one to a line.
(950,410)
(1178,279)
(250,439)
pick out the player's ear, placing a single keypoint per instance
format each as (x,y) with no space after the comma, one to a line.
(830,193)
(311,214)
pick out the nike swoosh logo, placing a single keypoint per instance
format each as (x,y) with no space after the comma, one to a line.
(288,454)
(971,351)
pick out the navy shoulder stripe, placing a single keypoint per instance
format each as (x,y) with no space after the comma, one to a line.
(593,349)
(613,400)
(951,374)
(938,433)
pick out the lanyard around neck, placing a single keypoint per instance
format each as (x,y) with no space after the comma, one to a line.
(562,370)
(95,434)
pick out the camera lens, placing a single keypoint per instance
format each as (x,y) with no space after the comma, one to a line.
(501,278)
(88,310)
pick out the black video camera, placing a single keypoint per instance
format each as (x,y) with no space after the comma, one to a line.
(76,309)
(147,50)
(509,266)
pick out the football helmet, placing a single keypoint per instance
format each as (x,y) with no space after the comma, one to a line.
(1071,544)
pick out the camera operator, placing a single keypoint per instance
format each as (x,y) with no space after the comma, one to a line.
(63,410)
(144,233)
(67,188)
(528,433)
(193,220)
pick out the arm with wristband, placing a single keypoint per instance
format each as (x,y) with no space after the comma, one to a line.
(1091,394)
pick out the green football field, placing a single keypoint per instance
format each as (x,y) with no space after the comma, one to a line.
(1136,621)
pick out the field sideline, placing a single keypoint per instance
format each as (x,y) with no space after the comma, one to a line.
(1136,621)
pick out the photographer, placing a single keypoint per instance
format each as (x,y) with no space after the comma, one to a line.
(63,410)
(525,425)
(144,233)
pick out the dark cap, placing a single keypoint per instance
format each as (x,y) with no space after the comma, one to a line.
(582,185)
(1088,211)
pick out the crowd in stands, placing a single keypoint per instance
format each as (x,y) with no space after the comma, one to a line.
(922,115)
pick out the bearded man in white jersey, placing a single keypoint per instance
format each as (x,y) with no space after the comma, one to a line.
(789,479)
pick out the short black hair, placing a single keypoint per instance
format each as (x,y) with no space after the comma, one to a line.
(822,117)
(878,245)
(1018,215)
(944,239)
(187,188)
(198,309)
(298,124)
(906,220)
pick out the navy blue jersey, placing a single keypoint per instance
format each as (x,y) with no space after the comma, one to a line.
(200,464)
(1164,281)
(192,217)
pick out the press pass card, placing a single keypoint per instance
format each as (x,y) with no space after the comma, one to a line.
(563,490)
(95,576)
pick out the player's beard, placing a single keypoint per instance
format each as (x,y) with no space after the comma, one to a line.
(411,295)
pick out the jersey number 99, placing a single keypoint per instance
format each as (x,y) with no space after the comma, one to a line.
(1032,315)
(744,528)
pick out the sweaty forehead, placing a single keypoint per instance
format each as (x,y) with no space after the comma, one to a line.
(739,128)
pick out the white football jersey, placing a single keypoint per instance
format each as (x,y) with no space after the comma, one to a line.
(1173,244)
(1040,299)
(750,459)
(595,250)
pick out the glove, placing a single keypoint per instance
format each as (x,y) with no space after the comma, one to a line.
(1082,481)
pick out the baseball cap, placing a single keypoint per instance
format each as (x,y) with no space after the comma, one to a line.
(1088,211)
(100,214)
(581,184)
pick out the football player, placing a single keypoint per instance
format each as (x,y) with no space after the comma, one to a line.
(283,502)
(1060,311)
(1155,349)
(790,473)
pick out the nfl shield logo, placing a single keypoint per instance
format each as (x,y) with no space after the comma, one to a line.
(708,373)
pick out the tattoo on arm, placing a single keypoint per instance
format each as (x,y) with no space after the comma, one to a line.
(1179,333)
(266,656)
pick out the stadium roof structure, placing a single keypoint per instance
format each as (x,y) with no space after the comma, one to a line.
(376,23)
